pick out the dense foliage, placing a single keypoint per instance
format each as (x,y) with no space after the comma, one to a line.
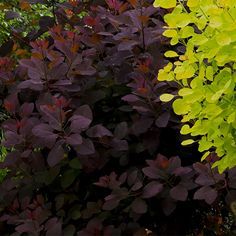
(206,71)
(91,149)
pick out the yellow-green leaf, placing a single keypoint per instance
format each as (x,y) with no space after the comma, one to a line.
(185,129)
(171,54)
(187,142)
(206,154)
(180,107)
(185,92)
(170,33)
(165,3)
(223,39)
(193,3)
(166,97)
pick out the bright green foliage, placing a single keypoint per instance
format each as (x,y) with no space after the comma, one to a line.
(164,3)
(206,73)
(166,97)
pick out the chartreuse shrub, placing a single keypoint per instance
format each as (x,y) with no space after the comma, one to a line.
(205,70)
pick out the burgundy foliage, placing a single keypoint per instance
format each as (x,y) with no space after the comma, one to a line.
(84,131)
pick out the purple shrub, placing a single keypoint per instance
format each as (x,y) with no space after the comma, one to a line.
(84,130)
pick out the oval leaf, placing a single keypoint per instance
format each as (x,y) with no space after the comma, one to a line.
(166,97)
(187,142)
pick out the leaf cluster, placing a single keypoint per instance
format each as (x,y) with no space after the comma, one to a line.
(205,70)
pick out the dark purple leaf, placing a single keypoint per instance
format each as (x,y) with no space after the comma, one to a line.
(37,1)
(139,206)
(79,123)
(84,111)
(92,97)
(130,98)
(9,15)
(137,186)
(52,116)
(11,139)
(206,193)
(6,47)
(98,131)
(205,180)
(11,103)
(123,178)
(132,177)
(127,45)
(201,168)
(142,109)
(27,227)
(119,145)
(151,172)
(74,139)
(152,189)
(110,204)
(62,83)
(25,202)
(45,132)
(30,84)
(188,183)
(179,193)
(85,69)
(55,155)
(232,182)
(168,206)
(103,182)
(53,227)
(10,160)
(26,109)
(142,125)
(161,162)
(46,22)
(163,120)
(174,163)
(230,197)
(86,148)
(182,171)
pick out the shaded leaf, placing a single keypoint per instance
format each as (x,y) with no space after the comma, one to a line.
(45,132)
(79,123)
(9,15)
(86,148)
(139,206)
(55,155)
(121,130)
(54,227)
(151,172)
(168,206)
(152,189)
(98,131)
(84,111)
(26,109)
(68,178)
(163,120)
(206,193)
(74,139)
(179,193)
